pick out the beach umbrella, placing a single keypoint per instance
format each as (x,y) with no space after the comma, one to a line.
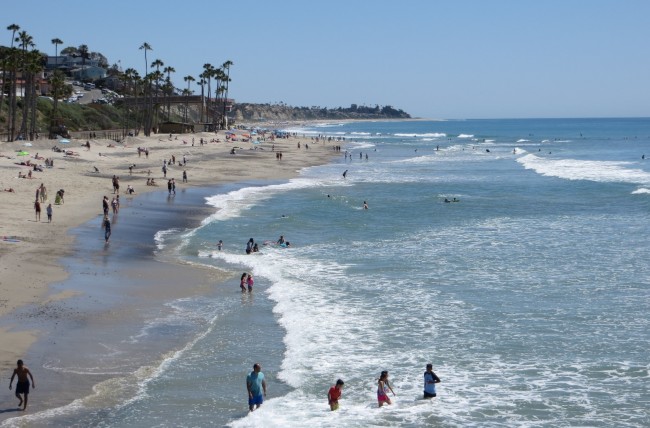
(23,153)
(64,141)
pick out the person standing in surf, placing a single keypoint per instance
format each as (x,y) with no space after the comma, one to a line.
(22,386)
(430,380)
(249,246)
(242,282)
(250,281)
(382,389)
(256,386)
(334,394)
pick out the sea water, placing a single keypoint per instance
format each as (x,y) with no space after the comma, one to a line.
(529,295)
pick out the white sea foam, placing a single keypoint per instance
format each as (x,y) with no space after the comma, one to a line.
(572,169)
(522,140)
(641,191)
(233,204)
(321,350)
(430,134)
(356,145)
(160,237)
(466,136)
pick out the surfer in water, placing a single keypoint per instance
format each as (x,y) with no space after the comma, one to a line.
(345,173)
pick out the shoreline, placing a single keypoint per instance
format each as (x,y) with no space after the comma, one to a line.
(33,264)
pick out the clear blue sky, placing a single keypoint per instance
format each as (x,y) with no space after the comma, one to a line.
(433,59)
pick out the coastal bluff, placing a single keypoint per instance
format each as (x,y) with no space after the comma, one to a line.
(281,112)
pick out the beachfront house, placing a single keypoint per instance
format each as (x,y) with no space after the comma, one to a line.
(88,73)
(75,67)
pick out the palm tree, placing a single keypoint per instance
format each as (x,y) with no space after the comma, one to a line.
(226,66)
(157,77)
(208,73)
(187,93)
(169,88)
(129,77)
(5,62)
(219,76)
(57,82)
(34,67)
(25,41)
(146,47)
(56,42)
(202,82)
(83,51)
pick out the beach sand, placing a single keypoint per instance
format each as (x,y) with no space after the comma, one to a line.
(30,250)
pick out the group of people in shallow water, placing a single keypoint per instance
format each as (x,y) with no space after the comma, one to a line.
(384,387)
(256,387)
(253,247)
(246,281)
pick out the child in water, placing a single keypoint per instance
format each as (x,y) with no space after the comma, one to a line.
(242,282)
(250,282)
(382,389)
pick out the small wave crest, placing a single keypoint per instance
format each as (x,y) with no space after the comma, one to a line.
(573,169)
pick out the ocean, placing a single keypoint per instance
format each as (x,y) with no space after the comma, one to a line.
(529,293)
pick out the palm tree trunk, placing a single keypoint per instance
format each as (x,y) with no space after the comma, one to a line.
(14,105)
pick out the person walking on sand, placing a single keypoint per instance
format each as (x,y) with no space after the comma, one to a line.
(382,389)
(49,213)
(256,386)
(250,281)
(106,224)
(43,193)
(22,385)
(430,380)
(37,209)
(334,394)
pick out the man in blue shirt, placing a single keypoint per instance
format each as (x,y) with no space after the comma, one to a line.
(256,387)
(430,380)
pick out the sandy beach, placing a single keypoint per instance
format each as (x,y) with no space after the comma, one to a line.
(30,250)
